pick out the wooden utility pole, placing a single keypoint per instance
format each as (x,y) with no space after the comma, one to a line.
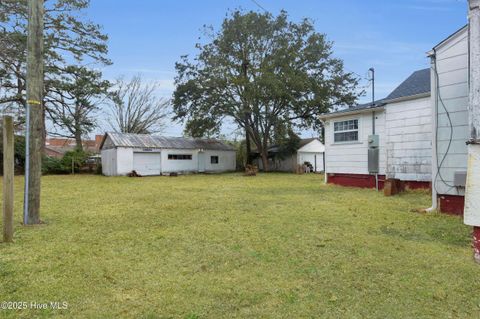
(8,169)
(34,135)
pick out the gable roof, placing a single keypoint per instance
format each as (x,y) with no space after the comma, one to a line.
(417,83)
(155,141)
(462,29)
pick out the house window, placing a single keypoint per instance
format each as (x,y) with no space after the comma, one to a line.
(213,159)
(179,156)
(345,131)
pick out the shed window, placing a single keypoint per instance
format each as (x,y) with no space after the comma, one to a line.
(179,156)
(213,159)
(345,131)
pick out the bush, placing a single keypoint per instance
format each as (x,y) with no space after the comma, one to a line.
(72,161)
(52,165)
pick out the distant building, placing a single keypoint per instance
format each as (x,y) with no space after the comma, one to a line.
(310,152)
(57,147)
(157,155)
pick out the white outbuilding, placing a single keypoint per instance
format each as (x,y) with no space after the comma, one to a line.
(157,155)
(310,153)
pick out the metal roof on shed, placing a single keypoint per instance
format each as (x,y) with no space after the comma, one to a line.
(155,141)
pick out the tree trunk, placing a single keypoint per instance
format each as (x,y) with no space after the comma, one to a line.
(264,155)
(78,140)
(248,148)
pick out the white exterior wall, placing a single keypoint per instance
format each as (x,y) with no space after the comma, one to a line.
(303,157)
(308,152)
(119,161)
(352,157)
(408,128)
(452,67)
(178,166)
(109,162)
(124,160)
(227,161)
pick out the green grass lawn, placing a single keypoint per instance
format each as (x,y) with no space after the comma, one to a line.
(226,246)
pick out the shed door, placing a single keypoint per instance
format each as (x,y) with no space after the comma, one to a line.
(147,163)
(201,162)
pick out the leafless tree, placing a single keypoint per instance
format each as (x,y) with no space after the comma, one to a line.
(135,107)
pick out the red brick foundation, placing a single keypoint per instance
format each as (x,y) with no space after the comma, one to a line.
(451,204)
(368,181)
(417,185)
(355,180)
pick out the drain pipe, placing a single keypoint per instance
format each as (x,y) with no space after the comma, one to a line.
(471,214)
(434,101)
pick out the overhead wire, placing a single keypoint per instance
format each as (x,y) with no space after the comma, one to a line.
(438,98)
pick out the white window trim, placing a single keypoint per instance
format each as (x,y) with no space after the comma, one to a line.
(357,130)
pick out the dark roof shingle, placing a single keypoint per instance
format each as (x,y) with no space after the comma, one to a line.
(417,83)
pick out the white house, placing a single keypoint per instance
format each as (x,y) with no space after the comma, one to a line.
(450,100)
(403,123)
(157,155)
(310,151)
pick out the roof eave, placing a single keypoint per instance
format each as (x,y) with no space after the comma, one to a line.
(408,98)
(353,112)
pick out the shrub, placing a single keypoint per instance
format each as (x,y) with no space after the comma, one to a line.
(52,165)
(72,161)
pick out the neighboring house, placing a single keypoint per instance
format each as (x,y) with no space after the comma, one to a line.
(450,100)
(310,150)
(156,155)
(403,124)
(57,147)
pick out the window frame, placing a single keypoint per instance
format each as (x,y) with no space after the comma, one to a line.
(180,157)
(217,159)
(347,130)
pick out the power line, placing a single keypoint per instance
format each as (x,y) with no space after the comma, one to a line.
(260,6)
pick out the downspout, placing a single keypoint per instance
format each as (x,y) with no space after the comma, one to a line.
(325,175)
(434,102)
(373,116)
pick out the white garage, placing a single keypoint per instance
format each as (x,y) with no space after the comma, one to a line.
(157,155)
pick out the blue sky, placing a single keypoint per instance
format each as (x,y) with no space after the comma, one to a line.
(149,36)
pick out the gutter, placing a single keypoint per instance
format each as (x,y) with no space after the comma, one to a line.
(409,98)
(352,112)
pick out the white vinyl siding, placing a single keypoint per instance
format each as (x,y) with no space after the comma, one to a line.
(452,67)
(408,127)
(352,157)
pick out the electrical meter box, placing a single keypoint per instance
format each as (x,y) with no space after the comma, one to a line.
(373,160)
(373,141)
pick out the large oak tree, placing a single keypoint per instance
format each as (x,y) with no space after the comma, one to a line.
(263,72)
